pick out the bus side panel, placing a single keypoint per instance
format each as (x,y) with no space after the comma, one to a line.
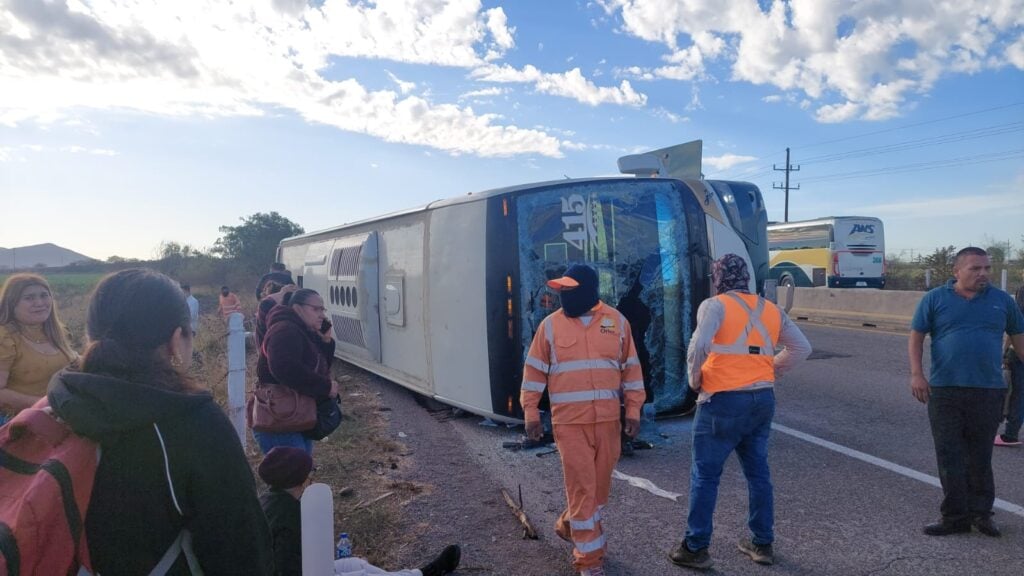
(724,240)
(457,304)
(401,252)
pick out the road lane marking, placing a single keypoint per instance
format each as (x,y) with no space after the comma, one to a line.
(891,466)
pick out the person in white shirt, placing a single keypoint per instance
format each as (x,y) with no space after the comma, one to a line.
(193,307)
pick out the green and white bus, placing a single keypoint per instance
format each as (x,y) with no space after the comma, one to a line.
(837,251)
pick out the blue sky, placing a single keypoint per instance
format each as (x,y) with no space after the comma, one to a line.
(124,124)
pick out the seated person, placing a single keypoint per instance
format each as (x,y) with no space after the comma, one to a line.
(286,470)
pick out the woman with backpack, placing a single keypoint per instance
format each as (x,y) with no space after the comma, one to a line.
(172,482)
(33,342)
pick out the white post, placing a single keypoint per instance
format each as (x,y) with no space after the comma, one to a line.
(236,374)
(928,278)
(1004,278)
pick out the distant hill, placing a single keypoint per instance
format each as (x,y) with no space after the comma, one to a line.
(38,256)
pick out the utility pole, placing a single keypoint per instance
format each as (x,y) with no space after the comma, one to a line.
(789,168)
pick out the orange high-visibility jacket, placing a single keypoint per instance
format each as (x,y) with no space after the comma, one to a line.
(586,369)
(743,349)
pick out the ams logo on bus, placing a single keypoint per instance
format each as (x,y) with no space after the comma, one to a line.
(862,229)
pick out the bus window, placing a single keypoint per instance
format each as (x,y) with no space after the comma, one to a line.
(635,235)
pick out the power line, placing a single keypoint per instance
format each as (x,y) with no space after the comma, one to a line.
(905,126)
(921,166)
(920,143)
(762,170)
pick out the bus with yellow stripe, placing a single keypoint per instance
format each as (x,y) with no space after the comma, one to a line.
(837,251)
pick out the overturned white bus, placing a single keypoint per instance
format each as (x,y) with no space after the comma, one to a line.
(444,299)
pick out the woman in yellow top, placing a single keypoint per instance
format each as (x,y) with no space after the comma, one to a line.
(33,346)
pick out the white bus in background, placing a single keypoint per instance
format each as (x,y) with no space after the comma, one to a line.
(838,252)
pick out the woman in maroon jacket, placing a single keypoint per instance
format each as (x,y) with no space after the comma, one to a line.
(298,349)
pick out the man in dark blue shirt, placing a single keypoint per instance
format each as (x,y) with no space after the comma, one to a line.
(966,320)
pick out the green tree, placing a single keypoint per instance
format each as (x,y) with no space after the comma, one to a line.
(941,263)
(254,242)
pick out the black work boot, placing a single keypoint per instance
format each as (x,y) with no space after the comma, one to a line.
(683,556)
(947,527)
(760,553)
(445,563)
(986,526)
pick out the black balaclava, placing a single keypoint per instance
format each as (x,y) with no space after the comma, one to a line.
(578,301)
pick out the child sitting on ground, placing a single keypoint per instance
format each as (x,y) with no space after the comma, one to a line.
(286,470)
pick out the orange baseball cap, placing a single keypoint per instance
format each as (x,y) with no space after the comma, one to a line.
(563,283)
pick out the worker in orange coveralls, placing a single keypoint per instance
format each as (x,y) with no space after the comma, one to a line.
(583,354)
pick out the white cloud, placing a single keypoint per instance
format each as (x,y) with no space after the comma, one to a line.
(235,59)
(91,151)
(484,93)
(726,161)
(497,25)
(671,117)
(852,59)
(404,87)
(771,99)
(1015,53)
(569,84)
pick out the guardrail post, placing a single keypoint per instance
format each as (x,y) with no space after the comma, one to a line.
(771,292)
(1003,280)
(236,374)
(927,278)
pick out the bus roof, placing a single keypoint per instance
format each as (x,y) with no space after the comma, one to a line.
(470,197)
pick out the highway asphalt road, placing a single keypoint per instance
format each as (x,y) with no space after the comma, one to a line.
(853,466)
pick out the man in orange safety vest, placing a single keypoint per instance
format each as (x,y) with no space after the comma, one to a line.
(732,362)
(584,355)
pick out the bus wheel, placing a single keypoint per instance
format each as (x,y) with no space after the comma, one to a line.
(786,280)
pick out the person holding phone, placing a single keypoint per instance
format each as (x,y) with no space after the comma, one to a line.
(298,349)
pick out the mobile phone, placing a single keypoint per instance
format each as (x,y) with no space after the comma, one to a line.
(325,326)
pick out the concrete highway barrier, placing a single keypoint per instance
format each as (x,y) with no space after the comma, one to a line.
(889,309)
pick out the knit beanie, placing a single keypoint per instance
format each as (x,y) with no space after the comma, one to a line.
(285,467)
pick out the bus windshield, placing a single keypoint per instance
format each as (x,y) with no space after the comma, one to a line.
(636,234)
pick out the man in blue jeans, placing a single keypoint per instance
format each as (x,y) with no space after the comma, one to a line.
(731,361)
(966,319)
(1015,403)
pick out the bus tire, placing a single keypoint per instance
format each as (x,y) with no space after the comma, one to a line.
(786,280)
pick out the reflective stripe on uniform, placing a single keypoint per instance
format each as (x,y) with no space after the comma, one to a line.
(534,386)
(594,364)
(549,334)
(633,385)
(587,524)
(631,361)
(740,346)
(584,396)
(539,365)
(592,546)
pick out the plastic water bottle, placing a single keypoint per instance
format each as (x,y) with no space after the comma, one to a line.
(344,549)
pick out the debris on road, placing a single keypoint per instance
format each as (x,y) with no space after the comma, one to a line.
(529,532)
(374,501)
(646,484)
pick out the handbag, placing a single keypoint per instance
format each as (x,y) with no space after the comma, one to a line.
(328,418)
(278,408)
